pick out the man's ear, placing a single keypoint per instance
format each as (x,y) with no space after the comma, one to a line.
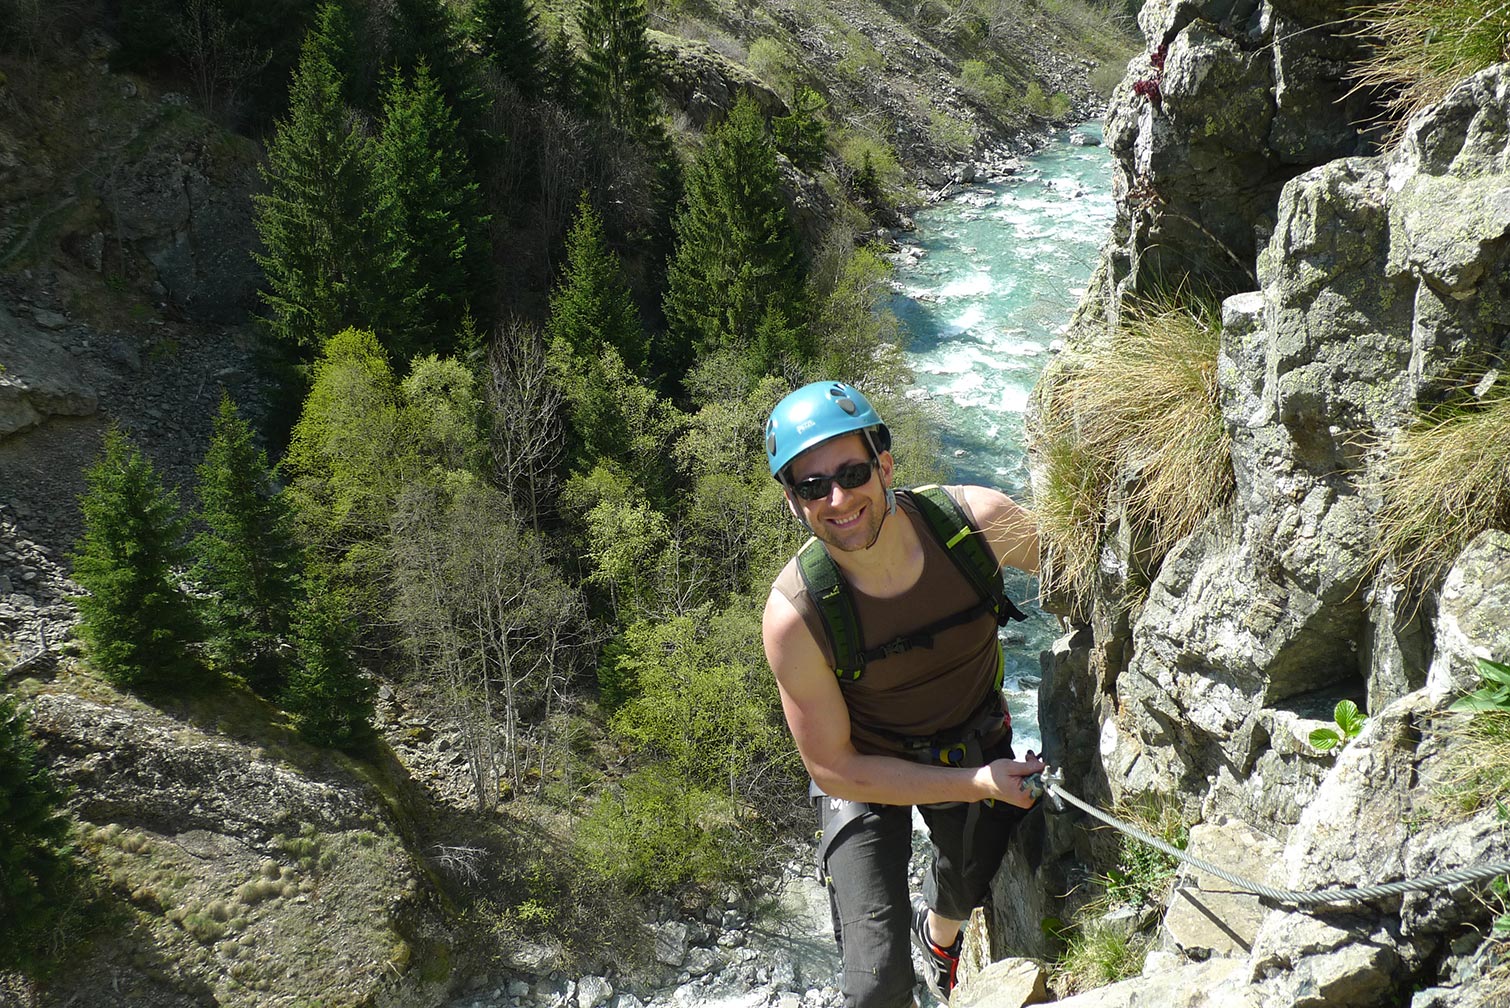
(888,466)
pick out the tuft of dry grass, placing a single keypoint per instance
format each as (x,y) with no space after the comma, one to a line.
(1421,48)
(1445,480)
(1136,408)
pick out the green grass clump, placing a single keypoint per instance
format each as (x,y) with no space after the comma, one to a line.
(1098,951)
(1421,48)
(1444,481)
(1097,955)
(1143,874)
(1136,406)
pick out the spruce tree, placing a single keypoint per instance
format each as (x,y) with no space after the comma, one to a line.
(35,866)
(617,70)
(561,73)
(424,33)
(330,698)
(427,220)
(592,308)
(248,558)
(737,277)
(136,619)
(507,34)
(311,219)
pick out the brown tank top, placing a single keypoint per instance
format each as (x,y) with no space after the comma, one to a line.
(921,692)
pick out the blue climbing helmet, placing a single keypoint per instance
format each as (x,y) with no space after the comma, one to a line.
(817,413)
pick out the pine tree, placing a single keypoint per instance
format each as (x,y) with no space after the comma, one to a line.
(561,70)
(35,866)
(736,278)
(507,34)
(617,70)
(426,218)
(424,33)
(592,308)
(330,698)
(311,219)
(248,559)
(136,619)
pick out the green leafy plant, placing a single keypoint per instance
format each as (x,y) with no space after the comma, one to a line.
(1349,723)
(1493,695)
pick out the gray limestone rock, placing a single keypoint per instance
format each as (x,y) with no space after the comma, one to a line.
(39,378)
(1471,621)
(1006,983)
(1207,915)
(671,943)
(593,991)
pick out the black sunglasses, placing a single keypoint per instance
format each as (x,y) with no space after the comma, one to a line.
(855,474)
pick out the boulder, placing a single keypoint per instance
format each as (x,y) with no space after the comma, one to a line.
(39,378)
(1007,983)
(185,204)
(1471,620)
(1231,99)
(1210,916)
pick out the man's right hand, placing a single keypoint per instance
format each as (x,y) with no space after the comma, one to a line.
(1008,779)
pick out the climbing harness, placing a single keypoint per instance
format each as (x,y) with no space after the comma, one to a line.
(946,521)
(1051,783)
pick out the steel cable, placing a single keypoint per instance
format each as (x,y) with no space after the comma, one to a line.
(1353,894)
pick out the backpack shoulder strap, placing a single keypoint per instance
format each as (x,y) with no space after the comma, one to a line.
(966,547)
(828,589)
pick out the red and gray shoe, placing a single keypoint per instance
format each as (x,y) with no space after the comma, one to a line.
(940,964)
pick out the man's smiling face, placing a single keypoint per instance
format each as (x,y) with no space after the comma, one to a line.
(847,520)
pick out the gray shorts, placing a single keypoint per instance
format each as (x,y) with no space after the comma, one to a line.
(866,874)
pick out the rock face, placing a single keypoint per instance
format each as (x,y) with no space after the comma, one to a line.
(1382,285)
(247,879)
(185,206)
(1230,101)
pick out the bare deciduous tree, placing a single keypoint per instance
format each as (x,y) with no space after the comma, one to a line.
(527,440)
(220,60)
(489,620)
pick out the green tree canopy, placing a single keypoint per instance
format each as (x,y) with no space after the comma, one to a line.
(134,616)
(591,308)
(248,557)
(35,863)
(425,33)
(617,69)
(312,218)
(345,462)
(442,414)
(330,697)
(695,702)
(507,34)
(427,220)
(736,278)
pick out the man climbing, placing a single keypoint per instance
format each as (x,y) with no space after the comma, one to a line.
(882,634)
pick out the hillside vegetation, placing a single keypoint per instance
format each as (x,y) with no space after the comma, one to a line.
(388,379)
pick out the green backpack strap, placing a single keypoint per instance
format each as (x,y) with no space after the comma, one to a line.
(947,523)
(967,547)
(827,587)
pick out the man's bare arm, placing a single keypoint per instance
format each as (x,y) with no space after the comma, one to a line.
(819,721)
(1007,525)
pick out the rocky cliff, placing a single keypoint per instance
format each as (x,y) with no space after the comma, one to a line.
(1362,285)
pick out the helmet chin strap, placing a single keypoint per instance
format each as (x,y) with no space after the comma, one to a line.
(891,509)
